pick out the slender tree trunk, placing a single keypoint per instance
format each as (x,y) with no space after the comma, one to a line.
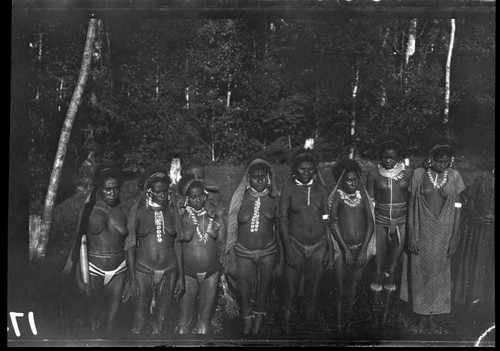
(412,40)
(355,86)
(447,77)
(212,146)
(316,127)
(63,142)
(228,103)
(410,50)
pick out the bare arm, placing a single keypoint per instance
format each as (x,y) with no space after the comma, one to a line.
(284,223)
(455,235)
(410,225)
(370,182)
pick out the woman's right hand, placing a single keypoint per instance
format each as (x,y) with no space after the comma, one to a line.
(290,258)
(412,245)
(131,290)
(84,288)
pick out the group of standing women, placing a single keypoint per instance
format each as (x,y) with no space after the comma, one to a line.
(175,241)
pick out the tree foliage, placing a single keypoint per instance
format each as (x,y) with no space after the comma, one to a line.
(228,89)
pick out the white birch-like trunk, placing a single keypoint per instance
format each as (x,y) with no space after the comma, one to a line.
(355,86)
(412,40)
(157,87)
(212,146)
(228,99)
(447,75)
(63,142)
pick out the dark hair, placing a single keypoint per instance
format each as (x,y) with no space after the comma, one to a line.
(390,145)
(156,177)
(189,181)
(261,166)
(301,156)
(392,140)
(104,173)
(441,150)
(345,165)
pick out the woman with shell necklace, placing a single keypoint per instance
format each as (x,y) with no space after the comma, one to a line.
(433,222)
(387,186)
(155,259)
(202,234)
(253,247)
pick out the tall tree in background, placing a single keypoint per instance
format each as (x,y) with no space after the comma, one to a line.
(63,142)
(447,76)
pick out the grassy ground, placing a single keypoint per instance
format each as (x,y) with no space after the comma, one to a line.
(59,308)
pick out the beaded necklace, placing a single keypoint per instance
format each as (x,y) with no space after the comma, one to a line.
(351,200)
(254,224)
(202,235)
(434,181)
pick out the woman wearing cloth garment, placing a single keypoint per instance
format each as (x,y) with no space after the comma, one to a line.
(475,282)
(433,235)
(152,255)
(303,231)
(103,221)
(253,247)
(388,187)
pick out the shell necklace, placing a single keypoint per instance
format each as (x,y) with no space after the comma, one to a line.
(434,181)
(160,225)
(202,234)
(395,173)
(351,200)
(254,224)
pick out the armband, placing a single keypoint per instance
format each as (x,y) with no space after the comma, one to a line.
(458,204)
(326,217)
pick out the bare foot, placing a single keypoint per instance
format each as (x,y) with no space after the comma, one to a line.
(432,325)
(420,325)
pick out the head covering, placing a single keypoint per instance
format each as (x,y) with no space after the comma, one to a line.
(430,155)
(234,207)
(371,249)
(144,199)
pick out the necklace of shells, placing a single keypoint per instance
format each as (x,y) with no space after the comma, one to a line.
(160,225)
(434,181)
(202,234)
(351,200)
(254,224)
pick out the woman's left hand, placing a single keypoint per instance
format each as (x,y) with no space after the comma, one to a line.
(452,248)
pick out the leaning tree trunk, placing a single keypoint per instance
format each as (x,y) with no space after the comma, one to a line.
(447,76)
(63,142)
(355,87)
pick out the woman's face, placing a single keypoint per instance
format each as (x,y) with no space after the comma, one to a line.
(111,192)
(196,197)
(350,182)
(305,171)
(259,180)
(159,192)
(440,163)
(389,158)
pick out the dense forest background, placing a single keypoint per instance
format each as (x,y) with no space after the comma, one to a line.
(218,91)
